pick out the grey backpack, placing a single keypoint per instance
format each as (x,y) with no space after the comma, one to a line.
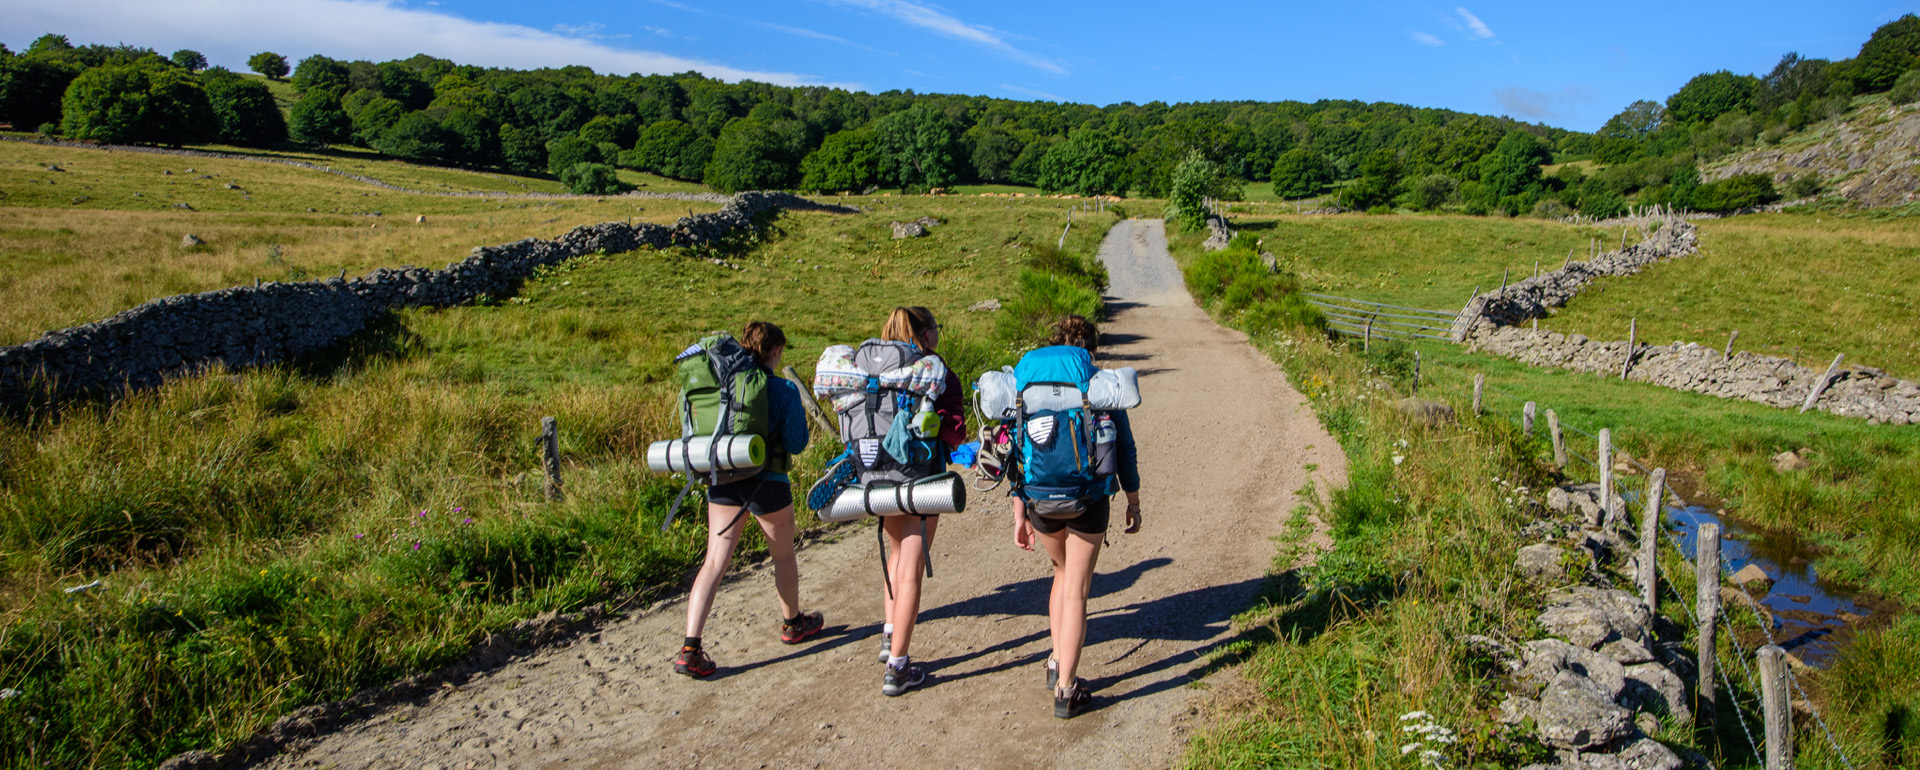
(864,428)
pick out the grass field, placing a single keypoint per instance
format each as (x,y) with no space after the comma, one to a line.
(298,532)
(1803,286)
(1420,260)
(1347,650)
(64,263)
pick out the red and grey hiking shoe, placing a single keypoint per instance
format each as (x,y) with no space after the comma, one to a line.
(901,678)
(693,662)
(1076,699)
(802,628)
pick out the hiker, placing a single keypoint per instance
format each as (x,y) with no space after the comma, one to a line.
(1065,502)
(768,495)
(910,538)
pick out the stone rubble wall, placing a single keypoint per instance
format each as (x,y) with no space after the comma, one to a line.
(1491,322)
(1218,233)
(252,325)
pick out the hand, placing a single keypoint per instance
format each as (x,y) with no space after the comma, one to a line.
(1022,531)
(1133,514)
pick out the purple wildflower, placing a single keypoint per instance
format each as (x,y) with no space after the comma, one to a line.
(360,536)
(423,513)
(467,520)
(416,545)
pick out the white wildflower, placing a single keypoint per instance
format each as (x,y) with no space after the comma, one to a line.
(1409,749)
(1398,459)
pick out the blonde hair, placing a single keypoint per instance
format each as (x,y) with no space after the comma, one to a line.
(908,324)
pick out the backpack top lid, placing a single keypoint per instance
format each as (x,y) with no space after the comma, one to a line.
(877,356)
(1055,363)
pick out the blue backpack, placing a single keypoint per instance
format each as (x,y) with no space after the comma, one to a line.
(1064,449)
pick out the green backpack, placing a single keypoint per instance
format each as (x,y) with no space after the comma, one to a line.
(723,391)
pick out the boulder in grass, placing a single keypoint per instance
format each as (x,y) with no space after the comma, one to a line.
(1425,411)
(1540,561)
(903,230)
(190,240)
(1651,687)
(1789,461)
(1575,713)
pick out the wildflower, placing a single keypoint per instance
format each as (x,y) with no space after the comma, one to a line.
(1409,748)
(263,573)
(467,520)
(458,509)
(1411,715)
(360,536)
(1398,459)
(416,545)
(423,513)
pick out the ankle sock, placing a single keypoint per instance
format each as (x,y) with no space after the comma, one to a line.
(793,621)
(887,628)
(897,661)
(692,643)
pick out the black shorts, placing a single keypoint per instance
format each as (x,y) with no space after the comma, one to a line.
(760,496)
(1092,521)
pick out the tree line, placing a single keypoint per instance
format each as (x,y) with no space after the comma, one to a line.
(578,125)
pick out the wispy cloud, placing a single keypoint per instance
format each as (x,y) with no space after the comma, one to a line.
(1475,26)
(948,26)
(679,6)
(1032,92)
(1541,105)
(589,31)
(816,35)
(1426,39)
(228,31)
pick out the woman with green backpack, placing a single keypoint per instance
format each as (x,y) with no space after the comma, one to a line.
(1071,521)
(768,495)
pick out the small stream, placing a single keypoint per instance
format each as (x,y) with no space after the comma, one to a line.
(1811,619)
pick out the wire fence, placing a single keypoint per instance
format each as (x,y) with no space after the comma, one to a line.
(1370,320)
(1752,709)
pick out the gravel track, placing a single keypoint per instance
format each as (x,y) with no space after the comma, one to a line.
(1224,443)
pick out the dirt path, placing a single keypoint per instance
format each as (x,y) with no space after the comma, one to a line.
(1224,442)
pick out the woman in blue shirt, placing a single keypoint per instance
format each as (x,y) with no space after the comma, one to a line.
(769,497)
(1074,546)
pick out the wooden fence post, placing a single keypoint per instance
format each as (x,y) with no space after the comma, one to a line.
(1479,384)
(1706,603)
(1526,419)
(1776,707)
(1728,354)
(1559,440)
(550,447)
(1366,342)
(812,404)
(1416,372)
(1633,331)
(1821,385)
(1650,541)
(1569,261)
(1604,459)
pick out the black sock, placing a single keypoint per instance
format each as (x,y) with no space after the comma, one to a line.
(693,643)
(793,621)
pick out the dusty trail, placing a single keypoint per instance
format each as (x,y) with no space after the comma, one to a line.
(1224,442)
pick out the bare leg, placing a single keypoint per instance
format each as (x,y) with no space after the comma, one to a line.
(720,545)
(909,558)
(1074,556)
(778,527)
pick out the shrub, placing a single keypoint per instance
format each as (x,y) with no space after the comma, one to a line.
(1804,185)
(1736,192)
(1041,298)
(1237,283)
(1551,208)
(187,58)
(1603,204)
(134,103)
(1192,182)
(319,118)
(245,110)
(591,179)
(1906,90)
(1431,191)
(1299,173)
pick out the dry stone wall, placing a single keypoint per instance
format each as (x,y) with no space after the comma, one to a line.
(251,325)
(1490,322)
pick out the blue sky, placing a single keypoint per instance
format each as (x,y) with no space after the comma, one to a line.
(1564,64)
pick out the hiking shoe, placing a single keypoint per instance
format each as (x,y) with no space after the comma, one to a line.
(886,647)
(1073,702)
(1053,674)
(802,628)
(902,678)
(693,662)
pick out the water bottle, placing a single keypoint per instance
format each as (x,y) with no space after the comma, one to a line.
(1106,445)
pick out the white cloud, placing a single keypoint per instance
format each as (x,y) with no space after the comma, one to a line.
(1475,26)
(229,31)
(948,26)
(1427,39)
(1032,92)
(808,33)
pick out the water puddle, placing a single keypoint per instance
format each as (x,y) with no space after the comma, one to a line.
(1811,619)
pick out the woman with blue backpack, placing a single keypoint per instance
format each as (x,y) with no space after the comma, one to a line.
(768,495)
(1063,489)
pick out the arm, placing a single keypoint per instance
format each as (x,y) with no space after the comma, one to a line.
(789,417)
(1129,470)
(952,408)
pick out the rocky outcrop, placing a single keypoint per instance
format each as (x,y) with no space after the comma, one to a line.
(258,324)
(1871,160)
(1491,323)
(1218,233)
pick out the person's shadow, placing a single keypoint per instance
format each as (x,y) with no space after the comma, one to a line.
(1198,618)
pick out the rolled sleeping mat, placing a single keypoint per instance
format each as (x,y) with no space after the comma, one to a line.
(1114,389)
(695,453)
(933,495)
